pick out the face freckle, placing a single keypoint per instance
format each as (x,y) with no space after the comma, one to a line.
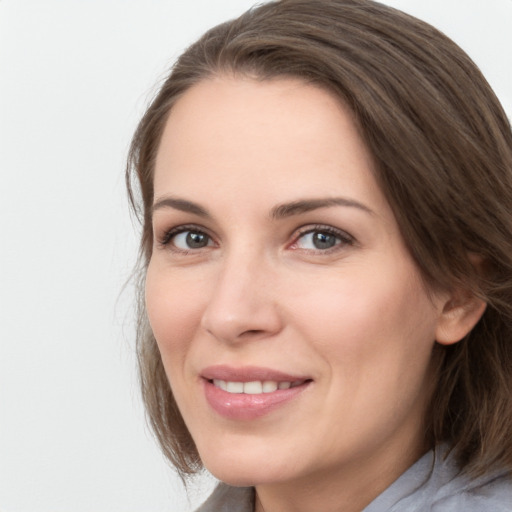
(324,290)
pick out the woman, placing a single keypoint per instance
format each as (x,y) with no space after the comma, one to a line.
(327,263)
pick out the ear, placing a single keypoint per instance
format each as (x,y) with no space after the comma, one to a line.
(461,312)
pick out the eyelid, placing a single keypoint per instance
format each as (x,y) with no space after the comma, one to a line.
(346,238)
(164,240)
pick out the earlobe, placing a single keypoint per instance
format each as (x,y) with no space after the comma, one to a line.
(460,314)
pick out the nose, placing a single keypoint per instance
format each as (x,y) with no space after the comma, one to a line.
(243,304)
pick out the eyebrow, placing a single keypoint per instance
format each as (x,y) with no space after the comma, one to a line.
(307,205)
(278,212)
(180,204)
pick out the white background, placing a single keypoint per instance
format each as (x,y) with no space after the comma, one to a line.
(75,76)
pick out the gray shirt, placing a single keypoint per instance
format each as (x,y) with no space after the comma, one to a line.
(432,484)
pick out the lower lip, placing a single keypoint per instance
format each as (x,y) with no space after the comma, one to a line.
(242,406)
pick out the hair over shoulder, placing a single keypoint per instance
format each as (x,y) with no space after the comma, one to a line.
(442,146)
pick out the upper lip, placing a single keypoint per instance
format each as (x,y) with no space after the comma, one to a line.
(248,374)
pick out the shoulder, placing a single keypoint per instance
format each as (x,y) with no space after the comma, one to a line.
(465,495)
(436,484)
(229,499)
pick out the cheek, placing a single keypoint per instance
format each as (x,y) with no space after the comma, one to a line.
(369,315)
(174,312)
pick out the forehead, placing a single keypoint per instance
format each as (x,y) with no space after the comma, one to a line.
(275,137)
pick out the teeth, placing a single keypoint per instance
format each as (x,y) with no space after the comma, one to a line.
(235,387)
(219,384)
(254,387)
(269,386)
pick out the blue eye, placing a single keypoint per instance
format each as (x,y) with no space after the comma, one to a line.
(321,239)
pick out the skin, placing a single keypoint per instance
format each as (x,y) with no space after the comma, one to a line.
(355,318)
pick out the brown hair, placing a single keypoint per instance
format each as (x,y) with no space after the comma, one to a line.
(443,151)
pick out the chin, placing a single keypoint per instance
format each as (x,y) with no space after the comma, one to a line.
(245,477)
(241,470)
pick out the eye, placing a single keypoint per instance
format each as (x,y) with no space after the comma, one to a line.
(191,240)
(187,239)
(317,240)
(321,239)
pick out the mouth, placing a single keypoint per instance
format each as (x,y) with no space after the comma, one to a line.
(255,387)
(250,392)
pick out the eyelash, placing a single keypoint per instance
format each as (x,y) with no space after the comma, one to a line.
(344,238)
(165,240)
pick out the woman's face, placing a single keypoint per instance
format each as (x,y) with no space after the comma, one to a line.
(292,322)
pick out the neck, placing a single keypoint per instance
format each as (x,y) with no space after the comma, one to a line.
(348,490)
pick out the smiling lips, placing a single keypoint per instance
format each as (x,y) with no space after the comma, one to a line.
(254,387)
(250,392)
